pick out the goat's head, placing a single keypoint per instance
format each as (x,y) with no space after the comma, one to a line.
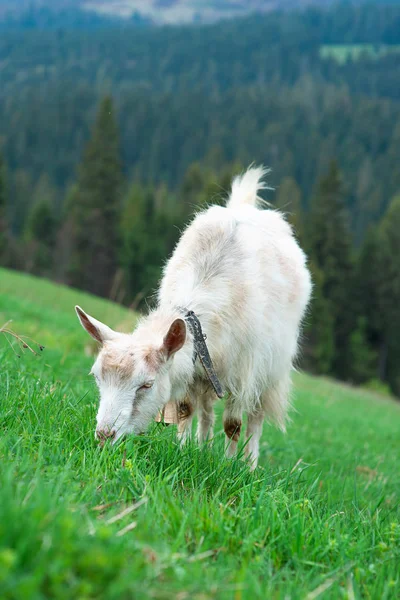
(132,373)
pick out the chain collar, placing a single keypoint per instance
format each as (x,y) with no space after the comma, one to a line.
(200,350)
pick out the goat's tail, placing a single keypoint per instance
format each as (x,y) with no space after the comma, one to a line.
(245,188)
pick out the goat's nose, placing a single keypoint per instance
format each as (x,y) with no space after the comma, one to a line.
(104,434)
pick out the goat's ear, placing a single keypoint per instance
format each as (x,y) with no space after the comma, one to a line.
(175,337)
(99,332)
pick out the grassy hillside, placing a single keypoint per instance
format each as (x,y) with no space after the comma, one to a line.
(320,517)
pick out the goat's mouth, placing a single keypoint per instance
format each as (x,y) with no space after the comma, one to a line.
(102,441)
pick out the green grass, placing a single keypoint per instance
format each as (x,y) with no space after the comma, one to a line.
(319,518)
(341,53)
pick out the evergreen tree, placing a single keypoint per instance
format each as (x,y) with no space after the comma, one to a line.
(21,186)
(368,280)
(45,192)
(192,189)
(223,182)
(203,186)
(3,215)
(330,245)
(389,294)
(319,350)
(8,250)
(288,200)
(95,208)
(41,239)
(149,236)
(363,357)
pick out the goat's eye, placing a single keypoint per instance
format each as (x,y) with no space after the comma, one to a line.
(146,386)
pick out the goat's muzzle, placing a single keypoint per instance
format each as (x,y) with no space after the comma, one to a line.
(105,434)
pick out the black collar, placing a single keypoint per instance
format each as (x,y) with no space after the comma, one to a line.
(200,350)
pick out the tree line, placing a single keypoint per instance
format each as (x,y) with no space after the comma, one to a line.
(295,131)
(111,236)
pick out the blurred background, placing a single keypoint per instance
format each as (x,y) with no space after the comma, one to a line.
(119,117)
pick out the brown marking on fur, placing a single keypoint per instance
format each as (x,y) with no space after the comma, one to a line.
(209,239)
(219,363)
(185,410)
(201,386)
(239,297)
(152,358)
(232,429)
(135,411)
(295,289)
(216,325)
(114,363)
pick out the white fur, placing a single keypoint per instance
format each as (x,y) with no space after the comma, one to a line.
(245,188)
(242,272)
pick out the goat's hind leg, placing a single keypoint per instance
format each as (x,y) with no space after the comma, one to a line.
(255,421)
(232,425)
(274,404)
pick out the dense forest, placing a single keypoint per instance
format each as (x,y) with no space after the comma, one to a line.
(111,137)
(185,94)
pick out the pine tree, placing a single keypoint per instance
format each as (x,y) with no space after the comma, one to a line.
(368,278)
(288,200)
(21,186)
(134,233)
(95,206)
(3,215)
(41,239)
(8,251)
(319,350)
(223,182)
(331,249)
(389,294)
(192,189)
(363,357)
(203,186)
(45,191)
(149,236)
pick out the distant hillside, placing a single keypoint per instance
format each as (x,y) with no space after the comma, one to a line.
(189,11)
(15,6)
(60,15)
(164,11)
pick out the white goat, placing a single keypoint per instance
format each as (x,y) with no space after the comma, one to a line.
(242,273)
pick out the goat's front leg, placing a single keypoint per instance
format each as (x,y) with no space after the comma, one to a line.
(206,417)
(232,425)
(255,423)
(185,411)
